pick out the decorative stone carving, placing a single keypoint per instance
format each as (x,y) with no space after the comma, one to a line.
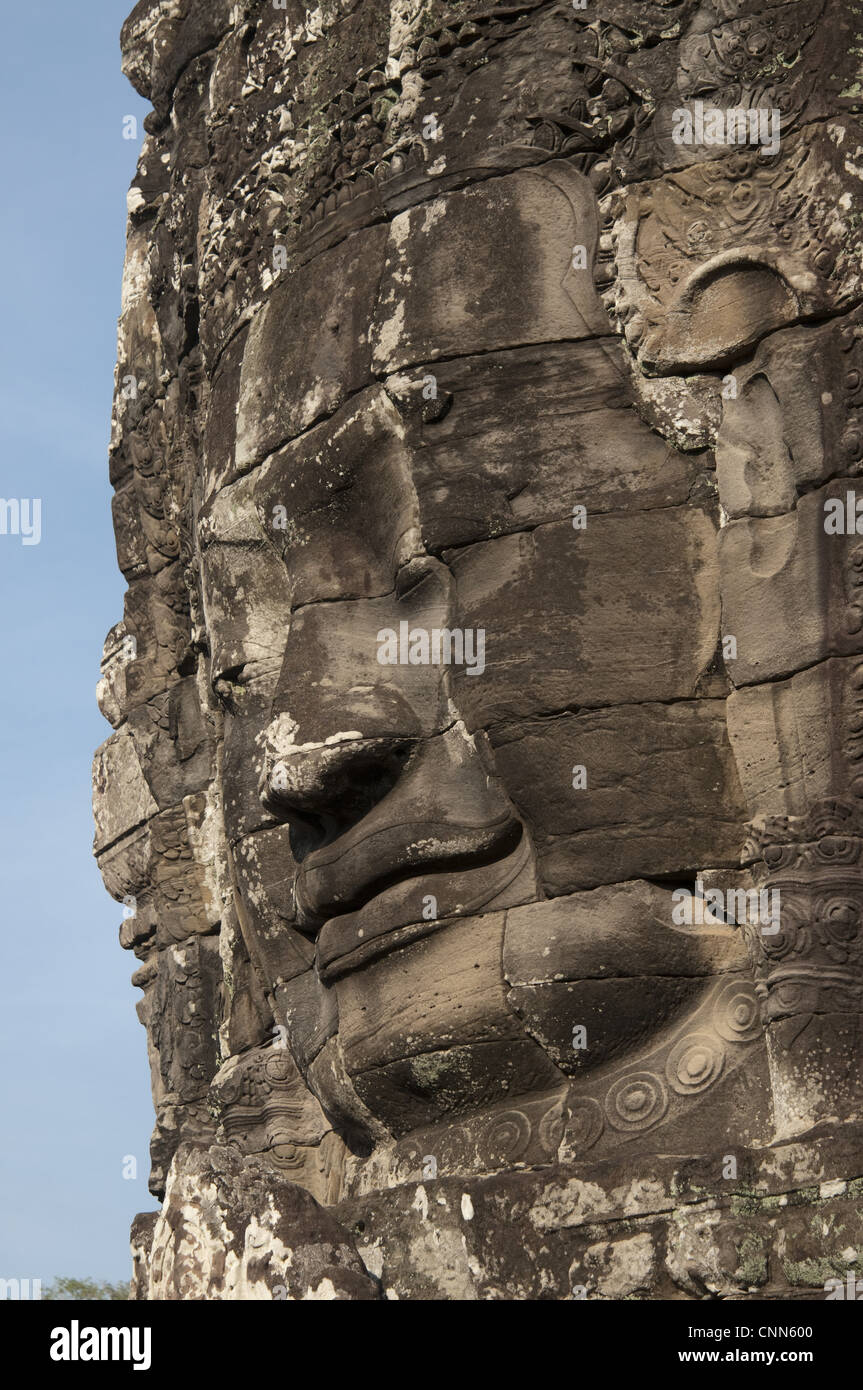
(481,609)
(810,974)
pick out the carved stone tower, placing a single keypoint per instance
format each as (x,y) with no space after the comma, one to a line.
(485,789)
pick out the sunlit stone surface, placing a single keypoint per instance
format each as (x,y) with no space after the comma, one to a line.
(485,791)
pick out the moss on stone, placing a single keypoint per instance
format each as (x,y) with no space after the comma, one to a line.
(751,1261)
(813,1273)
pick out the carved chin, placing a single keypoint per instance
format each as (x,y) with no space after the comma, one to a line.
(460,1016)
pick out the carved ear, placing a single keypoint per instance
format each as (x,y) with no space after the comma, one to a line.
(723,310)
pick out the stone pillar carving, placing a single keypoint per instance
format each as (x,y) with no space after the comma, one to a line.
(809,972)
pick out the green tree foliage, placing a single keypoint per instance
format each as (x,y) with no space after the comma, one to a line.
(84,1290)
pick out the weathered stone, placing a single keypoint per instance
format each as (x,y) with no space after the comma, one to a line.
(791,591)
(494,450)
(315,324)
(659,794)
(589,640)
(532,293)
(480,417)
(253,1237)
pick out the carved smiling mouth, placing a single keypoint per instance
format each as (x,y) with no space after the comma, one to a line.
(442,871)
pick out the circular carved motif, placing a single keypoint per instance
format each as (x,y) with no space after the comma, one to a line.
(794,936)
(838,923)
(778,857)
(794,996)
(278,1067)
(852,445)
(736,1016)
(508,1135)
(636,1101)
(837,849)
(585,1124)
(550,1128)
(694,1063)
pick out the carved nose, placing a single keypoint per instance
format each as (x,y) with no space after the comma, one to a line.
(323,790)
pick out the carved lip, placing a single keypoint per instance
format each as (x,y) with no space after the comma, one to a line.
(345,875)
(392,912)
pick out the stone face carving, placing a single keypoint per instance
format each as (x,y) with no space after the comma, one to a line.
(471,491)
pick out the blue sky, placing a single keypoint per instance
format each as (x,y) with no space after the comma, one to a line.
(75,1080)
